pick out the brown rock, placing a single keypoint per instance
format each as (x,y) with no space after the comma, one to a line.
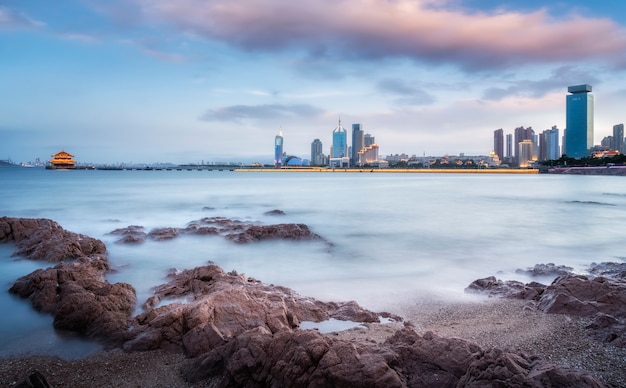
(79,298)
(223,305)
(44,239)
(133,234)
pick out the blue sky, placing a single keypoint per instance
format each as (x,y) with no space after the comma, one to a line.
(190,80)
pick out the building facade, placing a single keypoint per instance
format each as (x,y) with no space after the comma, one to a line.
(549,148)
(368,140)
(358,142)
(579,121)
(522,134)
(498,143)
(340,142)
(618,137)
(278,149)
(317,155)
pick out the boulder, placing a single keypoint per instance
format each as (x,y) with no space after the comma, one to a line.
(549,269)
(219,306)
(275,212)
(132,234)
(512,289)
(44,239)
(80,299)
(259,358)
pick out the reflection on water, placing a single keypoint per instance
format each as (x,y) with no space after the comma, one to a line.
(396,238)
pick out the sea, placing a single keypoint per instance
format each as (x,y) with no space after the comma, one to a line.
(396,239)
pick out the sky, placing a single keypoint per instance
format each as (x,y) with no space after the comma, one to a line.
(193,81)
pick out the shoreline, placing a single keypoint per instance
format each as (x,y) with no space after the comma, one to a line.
(489,322)
(394,170)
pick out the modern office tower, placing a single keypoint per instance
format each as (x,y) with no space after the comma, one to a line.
(509,145)
(549,144)
(368,155)
(368,140)
(278,149)
(358,142)
(498,143)
(618,137)
(522,134)
(340,142)
(579,121)
(607,143)
(317,154)
(525,153)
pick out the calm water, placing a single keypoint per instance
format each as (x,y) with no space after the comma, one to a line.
(398,237)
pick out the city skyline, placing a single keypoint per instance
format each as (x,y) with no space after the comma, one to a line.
(136,81)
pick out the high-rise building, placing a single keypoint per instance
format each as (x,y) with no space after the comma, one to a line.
(358,142)
(509,145)
(368,140)
(317,154)
(579,121)
(549,144)
(522,134)
(340,142)
(498,143)
(525,153)
(618,137)
(278,149)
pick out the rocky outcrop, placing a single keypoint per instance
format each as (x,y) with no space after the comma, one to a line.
(598,297)
(219,306)
(80,299)
(259,358)
(549,269)
(44,239)
(234,230)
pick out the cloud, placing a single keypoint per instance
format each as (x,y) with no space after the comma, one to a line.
(12,19)
(408,93)
(378,29)
(238,113)
(560,78)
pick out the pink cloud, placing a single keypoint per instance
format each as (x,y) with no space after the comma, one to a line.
(374,29)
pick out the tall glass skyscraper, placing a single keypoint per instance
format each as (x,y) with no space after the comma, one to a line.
(340,142)
(317,155)
(618,137)
(579,121)
(358,142)
(278,149)
(498,143)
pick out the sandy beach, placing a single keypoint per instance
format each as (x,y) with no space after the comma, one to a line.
(489,322)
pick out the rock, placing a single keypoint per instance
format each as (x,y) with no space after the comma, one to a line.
(549,269)
(273,232)
(611,270)
(132,234)
(306,358)
(275,212)
(510,289)
(34,380)
(44,239)
(223,305)
(79,298)
(160,234)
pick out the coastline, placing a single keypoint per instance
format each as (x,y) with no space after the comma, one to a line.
(489,322)
(393,170)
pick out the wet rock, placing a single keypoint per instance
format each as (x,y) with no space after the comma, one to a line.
(80,299)
(259,358)
(44,239)
(275,212)
(34,380)
(273,232)
(160,234)
(219,306)
(513,289)
(549,269)
(132,234)
(611,270)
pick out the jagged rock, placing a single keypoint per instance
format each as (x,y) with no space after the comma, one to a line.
(507,289)
(275,212)
(44,239)
(79,298)
(223,305)
(34,380)
(160,234)
(273,232)
(133,234)
(611,270)
(259,358)
(549,269)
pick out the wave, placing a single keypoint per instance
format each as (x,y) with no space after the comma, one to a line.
(591,203)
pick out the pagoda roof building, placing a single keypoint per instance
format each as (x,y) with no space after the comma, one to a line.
(63,160)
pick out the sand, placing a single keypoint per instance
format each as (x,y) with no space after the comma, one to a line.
(502,323)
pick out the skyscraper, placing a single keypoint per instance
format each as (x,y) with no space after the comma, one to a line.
(498,143)
(549,144)
(358,142)
(340,142)
(509,145)
(618,137)
(317,155)
(579,121)
(278,149)
(522,134)
(368,140)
